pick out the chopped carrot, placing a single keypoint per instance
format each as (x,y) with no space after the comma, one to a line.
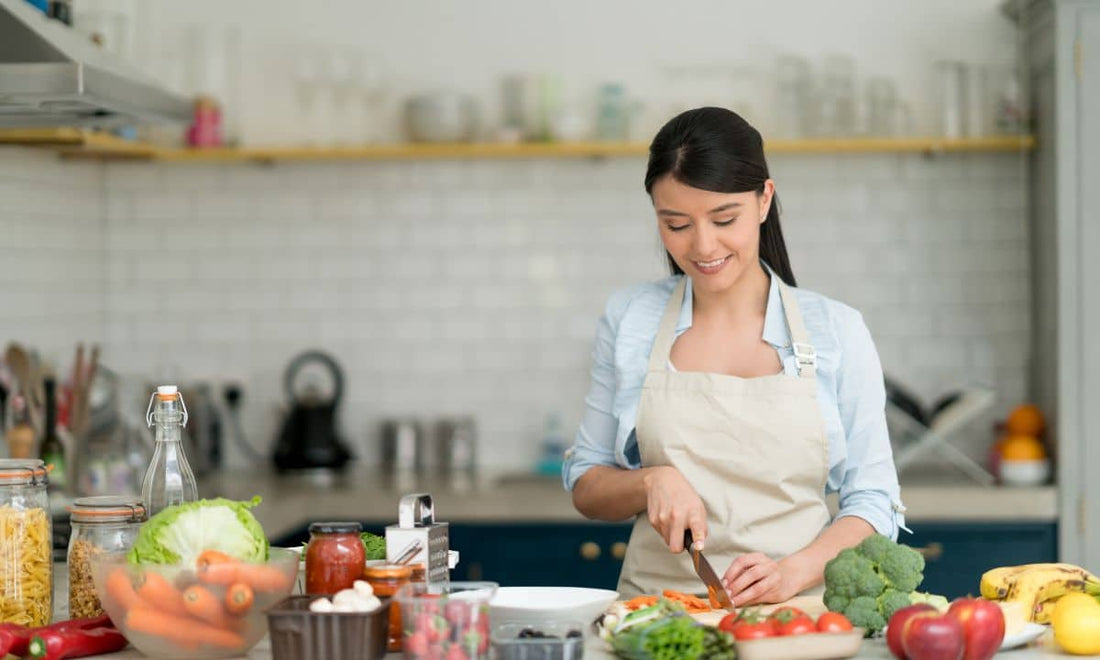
(260,577)
(638,602)
(238,598)
(201,604)
(693,604)
(121,589)
(158,592)
(185,631)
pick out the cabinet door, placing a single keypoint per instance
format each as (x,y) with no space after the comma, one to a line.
(540,554)
(956,554)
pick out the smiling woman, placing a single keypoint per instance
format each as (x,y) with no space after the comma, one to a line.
(724,400)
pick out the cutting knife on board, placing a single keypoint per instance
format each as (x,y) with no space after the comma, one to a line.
(705,571)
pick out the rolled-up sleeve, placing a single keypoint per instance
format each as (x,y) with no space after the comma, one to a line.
(870,487)
(594,443)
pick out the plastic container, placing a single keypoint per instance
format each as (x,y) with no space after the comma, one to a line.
(334,557)
(387,580)
(298,634)
(26,560)
(100,525)
(551,641)
(437,617)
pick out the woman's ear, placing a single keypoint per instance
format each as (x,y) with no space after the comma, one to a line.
(766,199)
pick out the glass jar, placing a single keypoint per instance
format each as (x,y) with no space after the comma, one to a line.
(335,557)
(100,525)
(387,579)
(26,561)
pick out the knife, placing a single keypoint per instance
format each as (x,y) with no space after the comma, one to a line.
(705,571)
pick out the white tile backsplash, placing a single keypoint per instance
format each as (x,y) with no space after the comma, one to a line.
(476,286)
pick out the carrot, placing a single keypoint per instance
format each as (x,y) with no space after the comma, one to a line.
(238,598)
(121,589)
(207,557)
(260,577)
(201,604)
(158,592)
(691,603)
(184,631)
(638,602)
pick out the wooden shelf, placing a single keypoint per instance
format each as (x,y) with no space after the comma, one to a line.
(75,143)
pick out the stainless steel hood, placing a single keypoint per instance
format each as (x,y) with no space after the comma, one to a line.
(51,75)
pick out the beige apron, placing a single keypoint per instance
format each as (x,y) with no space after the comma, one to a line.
(754,449)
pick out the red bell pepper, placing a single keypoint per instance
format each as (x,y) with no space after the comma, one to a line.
(75,643)
(15,639)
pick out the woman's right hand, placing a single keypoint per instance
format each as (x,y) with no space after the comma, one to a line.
(673,506)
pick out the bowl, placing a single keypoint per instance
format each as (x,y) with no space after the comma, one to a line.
(167,611)
(299,634)
(537,606)
(1031,472)
(546,641)
(446,620)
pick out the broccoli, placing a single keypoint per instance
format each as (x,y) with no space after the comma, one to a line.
(871,581)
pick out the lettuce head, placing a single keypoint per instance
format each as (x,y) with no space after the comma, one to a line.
(179,533)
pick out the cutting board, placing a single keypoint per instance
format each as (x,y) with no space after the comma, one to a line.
(812,605)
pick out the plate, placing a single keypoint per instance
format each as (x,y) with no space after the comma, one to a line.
(810,646)
(1030,633)
(539,605)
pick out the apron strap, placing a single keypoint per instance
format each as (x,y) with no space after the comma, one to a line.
(666,332)
(804,355)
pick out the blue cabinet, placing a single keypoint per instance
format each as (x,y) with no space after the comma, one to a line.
(957,553)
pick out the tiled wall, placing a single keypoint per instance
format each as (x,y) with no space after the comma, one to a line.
(450,287)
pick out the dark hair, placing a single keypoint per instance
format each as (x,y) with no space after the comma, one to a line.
(715,149)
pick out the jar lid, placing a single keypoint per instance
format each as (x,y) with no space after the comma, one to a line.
(108,509)
(387,571)
(22,472)
(335,528)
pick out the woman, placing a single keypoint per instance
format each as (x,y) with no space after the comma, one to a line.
(725,401)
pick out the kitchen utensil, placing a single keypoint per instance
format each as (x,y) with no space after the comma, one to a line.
(19,361)
(456,444)
(403,446)
(308,439)
(202,438)
(416,522)
(706,573)
(441,116)
(549,605)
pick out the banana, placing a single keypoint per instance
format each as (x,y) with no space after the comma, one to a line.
(1034,587)
(996,582)
(1044,611)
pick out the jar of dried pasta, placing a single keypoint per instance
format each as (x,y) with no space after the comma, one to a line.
(26,557)
(100,525)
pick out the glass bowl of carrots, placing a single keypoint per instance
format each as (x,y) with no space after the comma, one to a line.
(213,608)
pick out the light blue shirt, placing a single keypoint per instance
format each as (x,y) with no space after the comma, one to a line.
(850,390)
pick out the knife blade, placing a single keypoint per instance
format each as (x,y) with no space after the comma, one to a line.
(705,571)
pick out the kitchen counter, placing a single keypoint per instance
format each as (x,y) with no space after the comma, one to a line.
(292,501)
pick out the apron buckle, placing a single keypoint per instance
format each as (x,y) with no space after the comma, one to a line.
(804,354)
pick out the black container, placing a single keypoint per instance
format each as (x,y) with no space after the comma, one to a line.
(299,634)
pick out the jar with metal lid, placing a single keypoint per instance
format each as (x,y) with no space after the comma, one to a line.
(386,580)
(100,525)
(26,544)
(335,557)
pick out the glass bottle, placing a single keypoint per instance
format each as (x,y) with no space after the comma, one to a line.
(53,451)
(169,479)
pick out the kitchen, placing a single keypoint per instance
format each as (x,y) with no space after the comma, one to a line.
(470,286)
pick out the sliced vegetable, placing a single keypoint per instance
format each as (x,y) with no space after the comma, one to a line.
(692,603)
(639,602)
(180,533)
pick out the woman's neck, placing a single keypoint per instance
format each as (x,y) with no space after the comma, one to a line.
(747,297)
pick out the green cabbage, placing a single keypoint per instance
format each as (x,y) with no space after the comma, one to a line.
(179,533)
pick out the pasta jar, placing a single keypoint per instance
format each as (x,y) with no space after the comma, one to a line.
(335,557)
(100,525)
(387,579)
(26,545)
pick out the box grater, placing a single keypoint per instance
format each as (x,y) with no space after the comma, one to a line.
(416,523)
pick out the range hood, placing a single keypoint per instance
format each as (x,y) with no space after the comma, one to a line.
(52,75)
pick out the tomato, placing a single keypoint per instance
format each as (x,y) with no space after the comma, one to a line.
(833,622)
(786,613)
(791,621)
(747,624)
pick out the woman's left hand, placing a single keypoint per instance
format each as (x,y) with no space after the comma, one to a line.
(757,578)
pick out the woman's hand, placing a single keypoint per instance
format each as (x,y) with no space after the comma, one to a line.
(757,578)
(673,506)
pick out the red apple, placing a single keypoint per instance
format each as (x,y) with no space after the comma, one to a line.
(897,624)
(932,636)
(983,624)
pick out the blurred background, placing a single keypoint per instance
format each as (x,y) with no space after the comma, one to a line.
(390,229)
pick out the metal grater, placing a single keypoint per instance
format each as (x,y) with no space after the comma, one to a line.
(416,524)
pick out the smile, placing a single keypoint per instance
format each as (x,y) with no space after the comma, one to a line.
(711,266)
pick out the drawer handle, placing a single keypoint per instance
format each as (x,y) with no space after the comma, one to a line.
(618,550)
(932,551)
(590,550)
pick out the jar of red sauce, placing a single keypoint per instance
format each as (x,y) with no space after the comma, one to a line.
(386,579)
(335,557)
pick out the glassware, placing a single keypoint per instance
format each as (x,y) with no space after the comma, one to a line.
(335,557)
(952,97)
(836,104)
(794,94)
(100,525)
(26,544)
(169,479)
(387,580)
(613,114)
(882,108)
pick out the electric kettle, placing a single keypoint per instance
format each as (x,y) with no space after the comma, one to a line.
(309,438)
